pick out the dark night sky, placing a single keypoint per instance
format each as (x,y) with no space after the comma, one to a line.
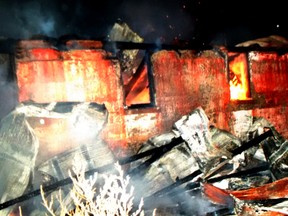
(203,21)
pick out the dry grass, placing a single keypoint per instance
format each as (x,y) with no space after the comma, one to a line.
(113,198)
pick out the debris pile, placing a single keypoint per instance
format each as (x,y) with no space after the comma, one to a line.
(193,169)
(227,173)
(24,167)
(193,163)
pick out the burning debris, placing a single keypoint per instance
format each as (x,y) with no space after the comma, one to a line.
(210,156)
(195,161)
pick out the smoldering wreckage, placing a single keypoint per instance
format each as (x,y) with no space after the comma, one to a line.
(195,165)
(193,169)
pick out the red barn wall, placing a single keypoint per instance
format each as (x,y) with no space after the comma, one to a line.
(46,75)
(269,80)
(183,81)
(186,80)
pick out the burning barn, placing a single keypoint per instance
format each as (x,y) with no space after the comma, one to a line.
(100,101)
(159,89)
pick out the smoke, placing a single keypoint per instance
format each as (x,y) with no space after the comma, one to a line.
(8,90)
(8,94)
(24,19)
(179,200)
(47,27)
(33,18)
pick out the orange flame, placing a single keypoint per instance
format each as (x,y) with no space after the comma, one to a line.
(139,92)
(239,82)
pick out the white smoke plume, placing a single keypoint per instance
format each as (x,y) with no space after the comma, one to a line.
(25,19)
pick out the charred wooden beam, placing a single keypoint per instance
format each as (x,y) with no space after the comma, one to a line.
(163,148)
(235,152)
(245,146)
(110,45)
(252,171)
(277,157)
(175,185)
(8,46)
(222,211)
(251,143)
(155,153)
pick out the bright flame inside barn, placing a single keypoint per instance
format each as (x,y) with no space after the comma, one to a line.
(239,79)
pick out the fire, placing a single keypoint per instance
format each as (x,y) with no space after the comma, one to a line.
(75,81)
(239,81)
(137,90)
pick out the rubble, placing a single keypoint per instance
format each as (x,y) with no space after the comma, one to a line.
(245,201)
(19,148)
(213,155)
(208,147)
(19,140)
(195,162)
